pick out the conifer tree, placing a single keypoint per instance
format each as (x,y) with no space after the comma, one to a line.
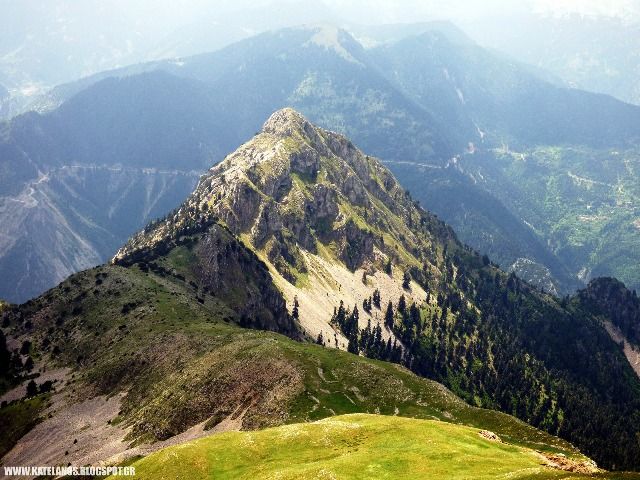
(354,319)
(388,316)
(402,305)
(28,364)
(396,353)
(378,346)
(340,315)
(32,389)
(406,281)
(414,317)
(376,298)
(387,350)
(365,338)
(295,313)
(352,347)
(366,305)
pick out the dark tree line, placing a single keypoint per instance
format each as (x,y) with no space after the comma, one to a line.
(498,343)
(368,341)
(523,353)
(11,366)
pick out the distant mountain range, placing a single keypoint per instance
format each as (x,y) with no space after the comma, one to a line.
(540,177)
(591,52)
(44,45)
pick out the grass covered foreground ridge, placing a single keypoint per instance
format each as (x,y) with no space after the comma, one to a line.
(361,446)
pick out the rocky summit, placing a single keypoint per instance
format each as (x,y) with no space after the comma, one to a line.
(324,217)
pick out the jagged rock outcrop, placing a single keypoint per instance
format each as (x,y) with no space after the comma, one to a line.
(225,265)
(294,185)
(268,224)
(356,245)
(324,205)
(317,211)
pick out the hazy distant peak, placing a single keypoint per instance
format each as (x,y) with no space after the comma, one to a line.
(375,35)
(333,38)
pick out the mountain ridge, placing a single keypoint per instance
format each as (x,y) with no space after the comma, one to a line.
(329,253)
(289,193)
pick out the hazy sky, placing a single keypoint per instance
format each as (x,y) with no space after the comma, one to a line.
(621,8)
(390,11)
(412,10)
(165,14)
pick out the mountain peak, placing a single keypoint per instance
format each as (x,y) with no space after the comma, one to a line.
(285,121)
(332,38)
(320,213)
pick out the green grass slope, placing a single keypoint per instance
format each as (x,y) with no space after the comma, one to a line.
(351,447)
(182,361)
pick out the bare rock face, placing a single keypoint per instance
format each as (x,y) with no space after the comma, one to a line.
(301,231)
(269,222)
(288,123)
(306,162)
(243,208)
(354,190)
(276,183)
(226,265)
(222,266)
(341,147)
(284,122)
(291,188)
(356,245)
(324,205)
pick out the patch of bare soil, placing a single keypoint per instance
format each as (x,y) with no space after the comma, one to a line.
(75,433)
(490,436)
(329,283)
(630,351)
(560,462)
(58,376)
(231,423)
(83,434)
